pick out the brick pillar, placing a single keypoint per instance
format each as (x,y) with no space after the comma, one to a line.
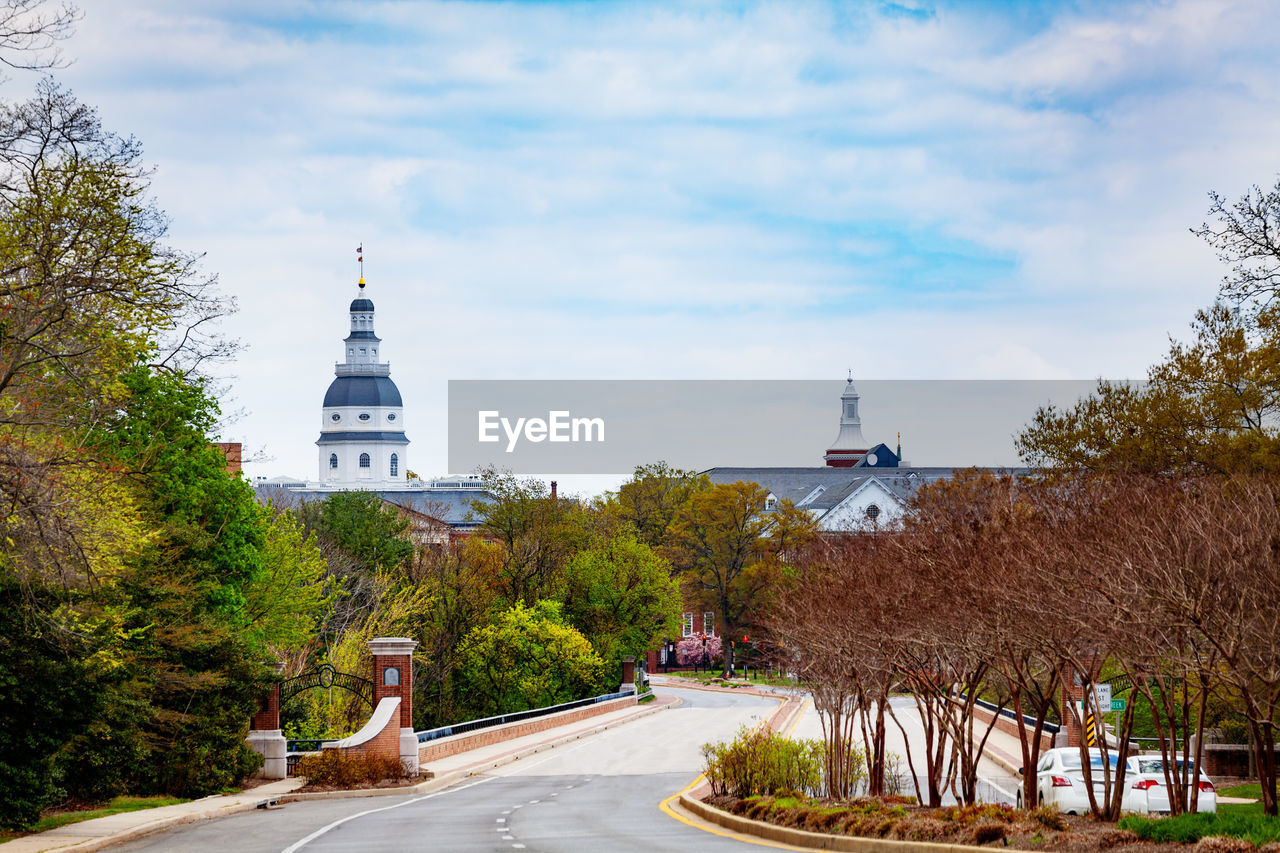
(1073,687)
(628,673)
(393,676)
(1072,732)
(265,737)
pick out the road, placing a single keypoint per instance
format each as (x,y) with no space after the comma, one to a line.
(601,793)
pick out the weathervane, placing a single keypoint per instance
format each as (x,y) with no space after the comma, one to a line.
(360,260)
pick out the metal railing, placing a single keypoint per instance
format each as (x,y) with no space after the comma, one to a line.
(515,717)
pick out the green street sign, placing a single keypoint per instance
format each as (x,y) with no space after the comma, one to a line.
(1117,704)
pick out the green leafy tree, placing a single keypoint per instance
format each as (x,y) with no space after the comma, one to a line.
(190,633)
(538,534)
(461,581)
(527,658)
(285,602)
(1211,406)
(45,695)
(621,595)
(374,534)
(729,549)
(653,497)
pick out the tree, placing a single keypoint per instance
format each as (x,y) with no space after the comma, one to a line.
(188,632)
(1210,405)
(538,534)
(527,658)
(652,498)
(1247,238)
(621,595)
(285,602)
(730,549)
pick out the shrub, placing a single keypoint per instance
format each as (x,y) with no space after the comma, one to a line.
(341,769)
(1049,817)
(762,762)
(985,833)
(1223,844)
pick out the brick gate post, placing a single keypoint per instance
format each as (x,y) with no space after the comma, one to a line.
(393,676)
(265,737)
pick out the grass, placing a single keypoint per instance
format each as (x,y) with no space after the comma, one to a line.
(119,805)
(1253,791)
(700,675)
(1236,822)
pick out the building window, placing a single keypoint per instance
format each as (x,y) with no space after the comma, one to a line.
(872,512)
(391,416)
(391,676)
(686,629)
(333,460)
(770,502)
(364,416)
(395,465)
(364,460)
(362,351)
(708,623)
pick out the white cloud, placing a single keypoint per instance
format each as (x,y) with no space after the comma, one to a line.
(687,190)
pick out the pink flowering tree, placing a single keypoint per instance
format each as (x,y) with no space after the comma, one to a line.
(698,649)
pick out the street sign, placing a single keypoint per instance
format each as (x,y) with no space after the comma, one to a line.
(1117,704)
(1102,695)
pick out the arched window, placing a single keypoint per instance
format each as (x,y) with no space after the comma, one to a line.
(333,460)
(872,512)
(395,465)
(364,460)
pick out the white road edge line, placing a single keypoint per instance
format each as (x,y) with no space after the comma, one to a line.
(298,845)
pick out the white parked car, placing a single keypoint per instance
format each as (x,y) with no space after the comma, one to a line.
(1146,790)
(1060,779)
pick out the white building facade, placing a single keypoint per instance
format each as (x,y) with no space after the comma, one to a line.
(362,443)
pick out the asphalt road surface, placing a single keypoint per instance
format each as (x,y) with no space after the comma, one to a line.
(599,793)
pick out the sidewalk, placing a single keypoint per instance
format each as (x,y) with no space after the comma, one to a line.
(104,831)
(100,832)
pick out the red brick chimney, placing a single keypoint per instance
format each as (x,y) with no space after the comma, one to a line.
(553,490)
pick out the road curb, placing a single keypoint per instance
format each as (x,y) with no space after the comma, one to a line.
(811,840)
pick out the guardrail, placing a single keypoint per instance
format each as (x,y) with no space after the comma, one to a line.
(515,717)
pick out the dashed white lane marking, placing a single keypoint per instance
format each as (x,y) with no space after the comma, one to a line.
(299,844)
(518,846)
(508,838)
(499,820)
(534,802)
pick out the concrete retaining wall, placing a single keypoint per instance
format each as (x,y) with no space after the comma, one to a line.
(1010,726)
(454,744)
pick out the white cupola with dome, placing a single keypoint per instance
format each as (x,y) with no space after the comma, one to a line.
(362,441)
(850,447)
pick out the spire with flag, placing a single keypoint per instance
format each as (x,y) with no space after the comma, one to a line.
(360,260)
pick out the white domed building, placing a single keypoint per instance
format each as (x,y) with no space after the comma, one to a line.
(362,442)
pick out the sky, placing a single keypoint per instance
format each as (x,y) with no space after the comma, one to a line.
(703,190)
